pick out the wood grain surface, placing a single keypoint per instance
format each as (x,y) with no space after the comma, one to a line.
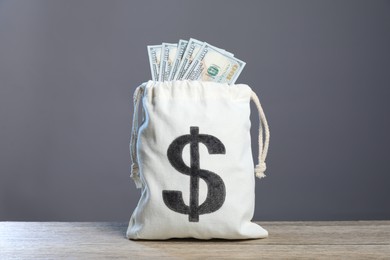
(287,240)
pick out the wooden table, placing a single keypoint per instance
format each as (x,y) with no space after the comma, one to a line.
(102,240)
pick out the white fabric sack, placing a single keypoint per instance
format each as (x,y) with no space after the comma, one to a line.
(192,158)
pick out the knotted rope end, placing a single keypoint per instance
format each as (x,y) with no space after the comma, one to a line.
(260,169)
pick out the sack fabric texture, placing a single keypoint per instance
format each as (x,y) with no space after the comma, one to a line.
(192,159)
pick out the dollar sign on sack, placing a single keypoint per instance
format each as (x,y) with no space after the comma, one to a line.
(215,186)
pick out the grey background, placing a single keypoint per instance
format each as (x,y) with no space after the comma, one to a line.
(68,70)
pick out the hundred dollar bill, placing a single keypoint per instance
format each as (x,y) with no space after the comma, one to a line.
(181,47)
(168,53)
(154,53)
(191,51)
(212,64)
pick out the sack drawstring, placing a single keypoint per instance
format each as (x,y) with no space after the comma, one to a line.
(134,136)
(263,147)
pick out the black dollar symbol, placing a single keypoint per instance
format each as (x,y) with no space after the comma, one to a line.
(215,187)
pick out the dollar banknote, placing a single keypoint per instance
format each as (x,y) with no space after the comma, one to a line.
(214,64)
(154,53)
(192,49)
(181,48)
(193,60)
(168,53)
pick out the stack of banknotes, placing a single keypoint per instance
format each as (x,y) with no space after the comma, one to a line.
(193,60)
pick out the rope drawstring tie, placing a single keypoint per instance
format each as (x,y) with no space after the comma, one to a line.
(260,169)
(263,144)
(135,175)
